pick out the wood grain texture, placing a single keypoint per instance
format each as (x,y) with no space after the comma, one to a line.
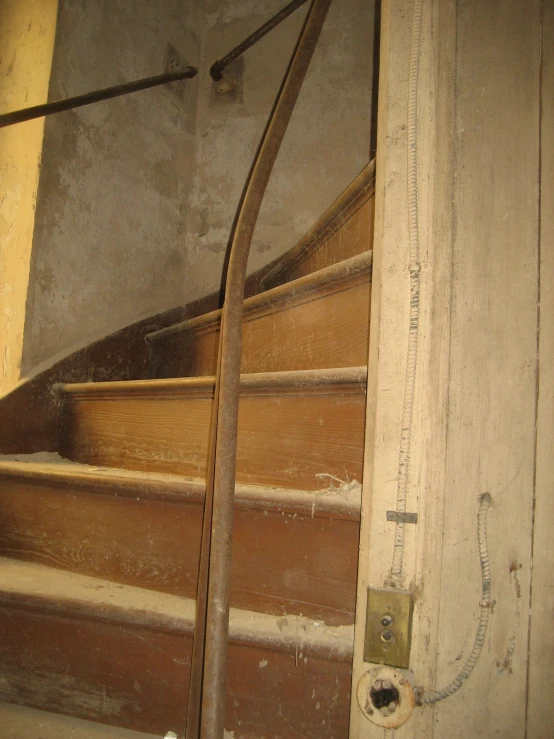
(319,321)
(493,380)
(344,230)
(31,412)
(139,680)
(290,428)
(474,411)
(76,657)
(290,559)
(540,712)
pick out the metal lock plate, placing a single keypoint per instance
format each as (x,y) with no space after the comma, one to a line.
(388,633)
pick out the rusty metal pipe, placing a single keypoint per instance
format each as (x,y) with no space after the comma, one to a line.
(216,70)
(107,93)
(228,381)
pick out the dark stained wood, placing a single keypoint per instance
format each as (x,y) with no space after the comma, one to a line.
(284,561)
(94,669)
(288,432)
(286,696)
(80,658)
(315,322)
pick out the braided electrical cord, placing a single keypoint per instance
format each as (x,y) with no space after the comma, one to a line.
(432,696)
(396,573)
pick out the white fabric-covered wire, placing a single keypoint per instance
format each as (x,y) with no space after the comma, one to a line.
(432,696)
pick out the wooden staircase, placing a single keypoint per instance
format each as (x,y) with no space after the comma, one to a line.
(99,546)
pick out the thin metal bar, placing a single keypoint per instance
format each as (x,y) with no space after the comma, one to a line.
(228,381)
(219,65)
(59,106)
(194,706)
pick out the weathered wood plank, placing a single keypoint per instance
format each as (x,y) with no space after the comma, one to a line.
(121,656)
(491,428)
(292,426)
(540,714)
(316,322)
(294,560)
(474,412)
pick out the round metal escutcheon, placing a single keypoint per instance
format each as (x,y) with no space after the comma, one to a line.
(386,697)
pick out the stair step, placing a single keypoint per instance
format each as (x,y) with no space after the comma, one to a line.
(345,229)
(315,322)
(120,655)
(293,551)
(292,425)
(22,722)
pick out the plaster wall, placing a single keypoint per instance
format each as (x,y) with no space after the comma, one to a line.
(116,177)
(326,145)
(137,195)
(27,30)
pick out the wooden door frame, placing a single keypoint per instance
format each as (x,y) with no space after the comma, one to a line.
(477,396)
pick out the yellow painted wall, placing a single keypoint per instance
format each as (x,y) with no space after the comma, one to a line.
(27,31)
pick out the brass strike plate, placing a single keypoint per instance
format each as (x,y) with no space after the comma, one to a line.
(388,631)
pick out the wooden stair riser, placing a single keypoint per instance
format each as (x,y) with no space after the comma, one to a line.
(343,231)
(286,435)
(138,678)
(283,562)
(352,237)
(326,328)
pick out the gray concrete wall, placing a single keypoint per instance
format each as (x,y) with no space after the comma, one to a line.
(116,176)
(137,195)
(327,143)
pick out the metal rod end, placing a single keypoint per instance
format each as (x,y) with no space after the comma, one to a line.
(216,71)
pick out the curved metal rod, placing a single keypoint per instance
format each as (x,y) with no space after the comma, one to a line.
(213,641)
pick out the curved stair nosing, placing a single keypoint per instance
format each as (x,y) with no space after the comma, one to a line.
(355,195)
(329,502)
(43,589)
(336,278)
(346,380)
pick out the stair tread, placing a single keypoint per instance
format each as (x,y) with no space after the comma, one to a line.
(43,588)
(297,290)
(332,222)
(288,378)
(22,722)
(316,427)
(342,500)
